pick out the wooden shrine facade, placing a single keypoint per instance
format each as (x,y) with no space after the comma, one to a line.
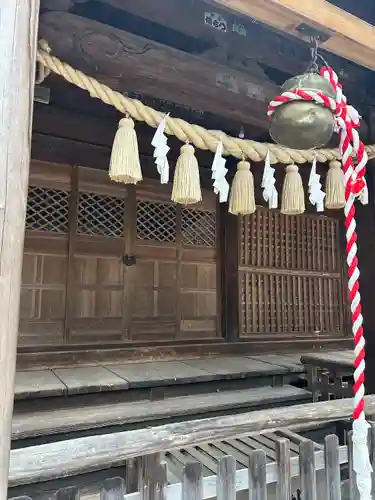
(109,264)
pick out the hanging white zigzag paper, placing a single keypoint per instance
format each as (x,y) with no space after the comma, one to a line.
(315,189)
(268,183)
(159,142)
(221,186)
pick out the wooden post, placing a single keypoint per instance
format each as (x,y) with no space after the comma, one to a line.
(229,244)
(366,249)
(18,34)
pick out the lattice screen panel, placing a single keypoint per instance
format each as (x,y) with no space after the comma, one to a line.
(272,240)
(290,275)
(100,215)
(287,303)
(47,210)
(198,228)
(156,221)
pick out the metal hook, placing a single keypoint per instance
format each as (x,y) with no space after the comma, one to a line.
(313,66)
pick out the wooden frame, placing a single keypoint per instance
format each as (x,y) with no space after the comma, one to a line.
(294,459)
(348,36)
(83,455)
(18,33)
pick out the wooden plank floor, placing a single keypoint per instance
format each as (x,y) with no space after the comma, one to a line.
(91,379)
(338,359)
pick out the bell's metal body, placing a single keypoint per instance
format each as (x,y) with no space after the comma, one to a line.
(303,124)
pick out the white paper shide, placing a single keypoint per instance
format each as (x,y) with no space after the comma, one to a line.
(270,194)
(316,195)
(219,171)
(159,142)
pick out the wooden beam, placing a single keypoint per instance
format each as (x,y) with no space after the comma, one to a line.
(130,63)
(241,39)
(82,455)
(18,32)
(61,136)
(349,36)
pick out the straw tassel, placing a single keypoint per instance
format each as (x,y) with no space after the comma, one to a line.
(242,198)
(293,196)
(186,182)
(124,165)
(335,186)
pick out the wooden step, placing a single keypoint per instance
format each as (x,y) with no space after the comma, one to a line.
(67,420)
(82,380)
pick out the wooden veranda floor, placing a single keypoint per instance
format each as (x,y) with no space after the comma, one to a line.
(53,403)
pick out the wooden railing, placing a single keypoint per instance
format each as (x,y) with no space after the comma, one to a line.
(88,454)
(228,482)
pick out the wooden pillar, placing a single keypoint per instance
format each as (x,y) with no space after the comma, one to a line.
(229,248)
(365,217)
(18,33)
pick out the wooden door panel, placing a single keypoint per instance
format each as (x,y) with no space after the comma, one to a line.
(154,303)
(76,287)
(290,275)
(175,277)
(42,302)
(98,304)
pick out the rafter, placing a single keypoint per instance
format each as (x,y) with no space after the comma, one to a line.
(349,36)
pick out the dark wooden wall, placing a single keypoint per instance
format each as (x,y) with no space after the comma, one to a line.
(202,277)
(106,263)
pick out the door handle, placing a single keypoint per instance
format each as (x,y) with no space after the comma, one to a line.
(129,260)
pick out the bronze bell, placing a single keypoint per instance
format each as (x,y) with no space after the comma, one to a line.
(303,124)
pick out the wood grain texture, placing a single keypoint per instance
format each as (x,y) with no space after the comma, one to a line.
(351,37)
(148,67)
(234,43)
(60,355)
(332,468)
(307,470)
(257,476)
(49,422)
(76,456)
(290,275)
(226,481)
(18,31)
(86,379)
(76,288)
(284,486)
(336,361)
(38,383)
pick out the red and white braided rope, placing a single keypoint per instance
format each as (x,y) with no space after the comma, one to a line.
(354,185)
(347,119)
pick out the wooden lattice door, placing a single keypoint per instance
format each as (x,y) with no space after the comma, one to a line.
(45,262)
(175,292)
(74,283)
(98,283)
(290,275)
(109,263)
